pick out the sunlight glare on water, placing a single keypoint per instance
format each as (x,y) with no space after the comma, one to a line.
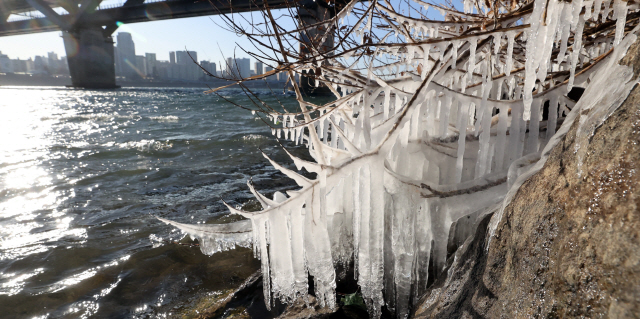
(82,173)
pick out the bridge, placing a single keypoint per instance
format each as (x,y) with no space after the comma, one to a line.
(87,26)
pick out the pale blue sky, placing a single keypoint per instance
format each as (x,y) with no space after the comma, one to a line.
(200,34)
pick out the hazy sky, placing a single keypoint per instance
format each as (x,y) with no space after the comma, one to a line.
(200,34)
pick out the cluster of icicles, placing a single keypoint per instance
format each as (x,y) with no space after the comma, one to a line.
(408,148)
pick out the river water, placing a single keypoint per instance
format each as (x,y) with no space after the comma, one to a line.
(82,173)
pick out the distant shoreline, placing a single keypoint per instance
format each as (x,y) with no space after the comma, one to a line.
(38,80)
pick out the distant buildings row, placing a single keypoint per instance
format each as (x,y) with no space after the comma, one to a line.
(180,66)
(45,65)
(133,67)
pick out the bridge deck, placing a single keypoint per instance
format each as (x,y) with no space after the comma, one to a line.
(132,11)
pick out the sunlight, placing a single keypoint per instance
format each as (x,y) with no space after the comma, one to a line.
(26,177)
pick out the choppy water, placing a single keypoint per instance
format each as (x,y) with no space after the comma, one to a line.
(81,174)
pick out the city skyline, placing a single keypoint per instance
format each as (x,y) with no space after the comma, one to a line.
(34,53)
(132,65)
(201,34)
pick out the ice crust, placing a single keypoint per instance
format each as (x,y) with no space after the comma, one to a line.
(402,154)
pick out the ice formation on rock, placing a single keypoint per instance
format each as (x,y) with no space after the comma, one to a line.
(434,122)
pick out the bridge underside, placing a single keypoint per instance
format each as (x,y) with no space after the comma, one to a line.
(87,29)
(130,12)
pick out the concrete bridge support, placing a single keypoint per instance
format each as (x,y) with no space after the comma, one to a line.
(90,56)
(312,12)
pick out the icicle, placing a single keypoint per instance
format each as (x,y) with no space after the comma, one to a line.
(509,62)
(620,15)
(262,230)
(215,238)
(318,249)
(376,253)
(596,9)
(320,128)
(425,61)
(300,135)
(552,120)
(444,115)
(468,6)
(397,105)
(576,8)
(473,43)
(564,33)
(587,9)
(577,47)
(296,221)
(410,54)
(501,140)
(454,53)
(325,135)
(537,42)
(387,99)
(606,11)
(282,278)
(498,95)
(534,128)
(463,116)
(483,165)
(514,133)
(553,14)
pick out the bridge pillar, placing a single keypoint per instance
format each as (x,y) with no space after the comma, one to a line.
(90,56)
(312,12)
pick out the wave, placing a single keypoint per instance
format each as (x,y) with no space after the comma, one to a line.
(253,138)
(147,145)
(91,116)
(168,118)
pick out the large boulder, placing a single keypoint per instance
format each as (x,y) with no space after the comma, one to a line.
(568,244)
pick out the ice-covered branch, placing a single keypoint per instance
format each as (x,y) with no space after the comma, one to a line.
(432,121)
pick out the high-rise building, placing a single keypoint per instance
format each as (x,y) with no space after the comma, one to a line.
(273,77)
(52,56)
(230,68)
(244,67)
(258,68)
(125,55)
(55,64)
(238,68)
(162,69)
(186,57)
(209,66)
(283,76)
(40,65)
(151,64)
(5,63)
(182,66)
(141,65)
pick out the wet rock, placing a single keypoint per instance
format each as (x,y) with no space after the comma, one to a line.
(205,306)
(300,310)
(243,302)
(568,245)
